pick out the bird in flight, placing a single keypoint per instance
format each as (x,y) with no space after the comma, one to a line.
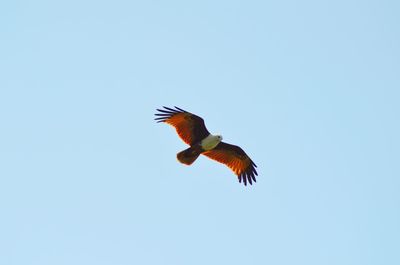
(192,130)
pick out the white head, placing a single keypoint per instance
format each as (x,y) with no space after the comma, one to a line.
(211,141)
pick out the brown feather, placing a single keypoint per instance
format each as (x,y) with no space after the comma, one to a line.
(236,159)
(190,128)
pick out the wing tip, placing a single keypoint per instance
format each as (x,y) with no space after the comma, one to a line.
(248,176)
(166,113)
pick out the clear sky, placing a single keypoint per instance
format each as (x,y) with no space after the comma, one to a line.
(310,89)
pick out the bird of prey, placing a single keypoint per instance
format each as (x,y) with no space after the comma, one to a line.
(192,130)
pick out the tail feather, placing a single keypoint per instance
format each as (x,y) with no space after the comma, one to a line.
(189,155)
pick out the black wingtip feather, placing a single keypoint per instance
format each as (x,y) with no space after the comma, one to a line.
(166,113)
(248,176)
(180,109)
(170,109)
(253,177)
(244,180)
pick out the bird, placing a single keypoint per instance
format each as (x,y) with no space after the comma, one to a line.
(192,130)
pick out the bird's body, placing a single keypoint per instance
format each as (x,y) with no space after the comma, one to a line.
(192,130)
(210,142)
(189,155)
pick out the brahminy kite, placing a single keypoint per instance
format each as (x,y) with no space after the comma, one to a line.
(192,130)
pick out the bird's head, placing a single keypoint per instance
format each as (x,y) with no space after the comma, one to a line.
(219,137)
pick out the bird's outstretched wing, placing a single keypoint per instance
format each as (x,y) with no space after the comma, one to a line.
(236,159)
(190,128)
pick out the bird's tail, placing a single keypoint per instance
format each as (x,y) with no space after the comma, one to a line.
(189,155)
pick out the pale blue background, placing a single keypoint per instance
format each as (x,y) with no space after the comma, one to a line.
(310,89)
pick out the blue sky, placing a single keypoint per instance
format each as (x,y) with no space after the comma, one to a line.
(310,89)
